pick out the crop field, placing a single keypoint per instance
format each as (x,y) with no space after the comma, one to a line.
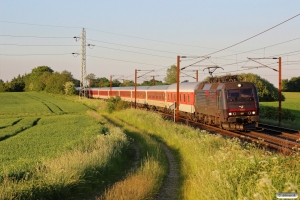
(24,104)
(51,147)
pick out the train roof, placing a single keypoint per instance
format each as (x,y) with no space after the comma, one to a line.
(224,85)
(158,87)
(185,87)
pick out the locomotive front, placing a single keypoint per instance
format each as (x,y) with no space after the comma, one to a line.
(241,106)
(230,105)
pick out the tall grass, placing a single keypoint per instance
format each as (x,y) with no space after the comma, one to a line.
(144,181)
(72,173)
(51,148)
(217,168)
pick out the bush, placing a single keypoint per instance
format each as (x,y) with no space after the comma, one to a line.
(269,112)
(115,104)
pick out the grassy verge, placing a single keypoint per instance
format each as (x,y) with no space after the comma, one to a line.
(145,181)
(218,168)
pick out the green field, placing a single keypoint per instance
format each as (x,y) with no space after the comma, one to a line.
(25,103)
(52,148)
(291,103)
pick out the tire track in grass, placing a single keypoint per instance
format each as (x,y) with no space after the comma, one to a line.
(18,129)
(171,184)
(15,122)
(43,101)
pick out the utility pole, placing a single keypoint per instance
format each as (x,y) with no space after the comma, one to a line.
(110,84)
(82,92)
(83,65)
(135,80)
(177,88)
(279,83)
(279,91)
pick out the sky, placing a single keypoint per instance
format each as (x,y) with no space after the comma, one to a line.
(122,36)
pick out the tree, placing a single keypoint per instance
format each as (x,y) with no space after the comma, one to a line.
(90,77)
(69,88)
(128,83)
(56,82)
(116,83)
(34,84)
(171,75)
(2,86)
(16,84)
(266,90)
(291,85)
(103,82)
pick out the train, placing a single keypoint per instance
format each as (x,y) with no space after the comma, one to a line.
(228,105)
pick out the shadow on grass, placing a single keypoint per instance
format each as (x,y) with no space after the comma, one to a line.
(19,130)
(93,182)
(170,185)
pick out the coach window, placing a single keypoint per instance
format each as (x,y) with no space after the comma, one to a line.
(188,98)
(183,97)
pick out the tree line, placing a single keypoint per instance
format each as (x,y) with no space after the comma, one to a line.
(43,78)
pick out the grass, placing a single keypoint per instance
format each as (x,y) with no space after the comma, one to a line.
(292,103)
(144,181)
(15,126)
(71,173)
(213,167)
(53,148)
(33,103)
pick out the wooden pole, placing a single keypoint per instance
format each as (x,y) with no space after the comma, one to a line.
(135,79)
(110,91)
(279,92)
(178,81)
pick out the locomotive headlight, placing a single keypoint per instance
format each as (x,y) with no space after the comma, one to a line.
(230,114)
(239,85)
(253,112)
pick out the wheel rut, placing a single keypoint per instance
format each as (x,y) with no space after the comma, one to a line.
(171,185)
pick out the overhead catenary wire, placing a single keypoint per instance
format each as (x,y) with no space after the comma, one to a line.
(253,36)
(34,36)
(137,38)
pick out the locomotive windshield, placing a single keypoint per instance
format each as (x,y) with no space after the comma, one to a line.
(240,95)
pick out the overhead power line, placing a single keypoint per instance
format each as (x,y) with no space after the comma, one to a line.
(260,48)
(39,45)
(124,61)
(253,36)
(29,24)
(59,54)
(30,36)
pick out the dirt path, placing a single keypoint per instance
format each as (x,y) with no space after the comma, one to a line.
(170,187)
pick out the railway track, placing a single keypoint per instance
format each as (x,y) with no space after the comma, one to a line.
(283,140)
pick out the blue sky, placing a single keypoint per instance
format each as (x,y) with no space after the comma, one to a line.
(148,35)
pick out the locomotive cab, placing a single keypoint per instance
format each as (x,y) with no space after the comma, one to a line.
(230,105)
(241,108)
